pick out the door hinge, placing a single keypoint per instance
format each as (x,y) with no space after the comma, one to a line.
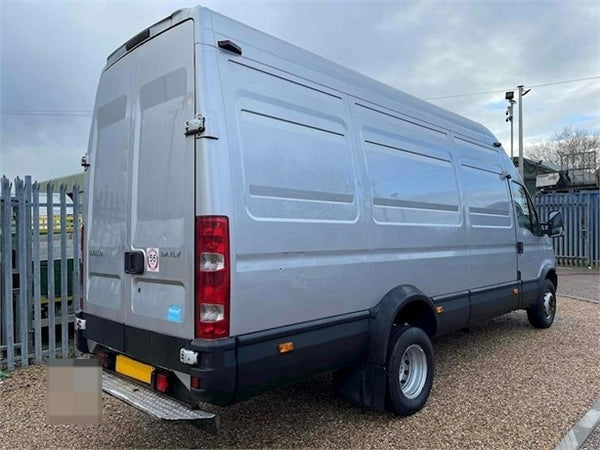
(519,247)
(195,126)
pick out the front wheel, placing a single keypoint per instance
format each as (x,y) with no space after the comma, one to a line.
(541,314)
(410,370)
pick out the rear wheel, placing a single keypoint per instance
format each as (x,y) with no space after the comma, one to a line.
(541,314)
(410,370)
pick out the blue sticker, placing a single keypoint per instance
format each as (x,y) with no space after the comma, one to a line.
(174,314)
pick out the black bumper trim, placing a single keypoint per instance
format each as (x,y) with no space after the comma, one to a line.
(275,333)
(236,368)
(144,345)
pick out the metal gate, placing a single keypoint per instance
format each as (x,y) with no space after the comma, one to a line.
(580,244)
(39,270)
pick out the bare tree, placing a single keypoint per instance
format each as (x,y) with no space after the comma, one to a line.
(566,145)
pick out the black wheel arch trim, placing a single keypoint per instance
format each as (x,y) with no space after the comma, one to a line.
(384,314)
(548,272)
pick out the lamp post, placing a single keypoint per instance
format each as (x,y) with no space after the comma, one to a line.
(509,117)
(521,95)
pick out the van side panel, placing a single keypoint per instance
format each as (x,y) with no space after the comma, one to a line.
(296,229)
(417,231)
(296,156)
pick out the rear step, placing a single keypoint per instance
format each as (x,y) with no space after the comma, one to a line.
(157,405)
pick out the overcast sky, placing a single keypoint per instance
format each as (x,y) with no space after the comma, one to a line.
(52,53)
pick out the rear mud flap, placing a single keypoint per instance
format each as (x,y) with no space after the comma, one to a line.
(364,385)
(158,405)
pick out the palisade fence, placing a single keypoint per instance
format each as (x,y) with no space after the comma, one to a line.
(580,244)
(39,270)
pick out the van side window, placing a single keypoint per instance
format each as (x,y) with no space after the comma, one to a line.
(524,210)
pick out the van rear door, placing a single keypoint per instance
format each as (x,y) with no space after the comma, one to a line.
(140,222)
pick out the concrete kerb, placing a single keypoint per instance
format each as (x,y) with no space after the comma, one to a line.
(584,428)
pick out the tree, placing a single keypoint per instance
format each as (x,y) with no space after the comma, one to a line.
(565,149)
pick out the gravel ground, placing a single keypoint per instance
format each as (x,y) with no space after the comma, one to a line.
(582,283)
(503,384)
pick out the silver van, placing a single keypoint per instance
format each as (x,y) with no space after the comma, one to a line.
(258,215)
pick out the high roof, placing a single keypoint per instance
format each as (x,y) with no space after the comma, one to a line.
(351,82)
(244,34)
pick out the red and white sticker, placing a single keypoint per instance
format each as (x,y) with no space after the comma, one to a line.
(152,259)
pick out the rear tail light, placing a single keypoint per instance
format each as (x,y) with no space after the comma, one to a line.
(162,382)
(81,266)
(212,277)
(105,360)
(195,382)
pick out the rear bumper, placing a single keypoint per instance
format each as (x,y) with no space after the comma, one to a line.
(239,367)
(216,370)
(216,366)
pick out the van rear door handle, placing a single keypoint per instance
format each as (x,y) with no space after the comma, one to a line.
(519,247)
(134,262)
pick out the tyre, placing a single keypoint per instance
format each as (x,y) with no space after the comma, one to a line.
(541,314)
(410,370)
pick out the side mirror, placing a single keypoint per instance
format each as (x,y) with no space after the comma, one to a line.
(555,225)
